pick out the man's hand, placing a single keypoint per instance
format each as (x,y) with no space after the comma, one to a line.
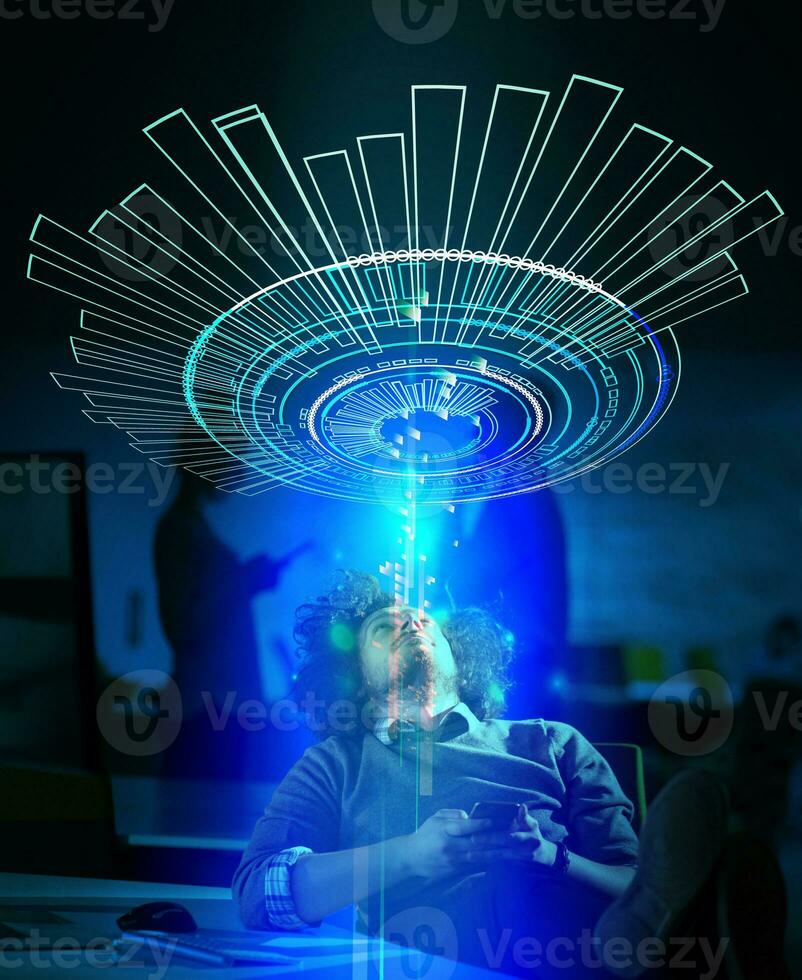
(443,843)
(523,843)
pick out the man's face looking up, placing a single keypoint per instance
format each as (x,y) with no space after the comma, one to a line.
(404,652)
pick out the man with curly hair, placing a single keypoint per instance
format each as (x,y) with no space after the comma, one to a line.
(377,814)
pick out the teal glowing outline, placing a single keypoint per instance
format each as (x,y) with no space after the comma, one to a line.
(446,473)
(200,344)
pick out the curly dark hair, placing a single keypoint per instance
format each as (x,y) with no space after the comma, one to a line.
(327,636)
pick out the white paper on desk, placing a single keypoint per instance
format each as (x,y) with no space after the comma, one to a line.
(311,941)
(320,952)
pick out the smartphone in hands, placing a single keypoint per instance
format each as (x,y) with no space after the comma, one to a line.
(502,815)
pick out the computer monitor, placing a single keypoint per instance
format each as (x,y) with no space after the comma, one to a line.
(47,674)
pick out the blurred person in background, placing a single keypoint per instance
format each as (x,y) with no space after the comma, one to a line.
(206,595)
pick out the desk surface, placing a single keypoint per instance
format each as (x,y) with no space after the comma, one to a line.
(91,907)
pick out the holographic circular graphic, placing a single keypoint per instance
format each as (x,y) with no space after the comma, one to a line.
(314,342)
(460,400)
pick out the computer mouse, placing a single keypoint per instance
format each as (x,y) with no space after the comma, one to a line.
(157,917)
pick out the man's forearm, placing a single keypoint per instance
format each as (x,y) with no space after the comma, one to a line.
(610,879)
(323,883)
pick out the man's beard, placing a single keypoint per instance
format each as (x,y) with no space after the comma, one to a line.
(418,677)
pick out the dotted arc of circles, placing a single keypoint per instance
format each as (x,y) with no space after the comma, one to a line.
(469,255)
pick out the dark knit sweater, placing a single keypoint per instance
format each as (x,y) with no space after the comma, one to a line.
(346,792)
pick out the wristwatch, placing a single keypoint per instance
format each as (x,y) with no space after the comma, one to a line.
(562,860)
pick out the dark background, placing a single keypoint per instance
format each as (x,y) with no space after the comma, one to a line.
(641,568)
(697,582)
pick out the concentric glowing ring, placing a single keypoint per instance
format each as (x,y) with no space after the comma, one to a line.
(553,375)
(291,383)
(531,401)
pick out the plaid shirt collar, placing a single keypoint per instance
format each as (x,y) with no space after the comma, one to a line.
(459,720)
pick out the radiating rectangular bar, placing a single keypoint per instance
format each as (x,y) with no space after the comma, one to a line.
(437,119)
